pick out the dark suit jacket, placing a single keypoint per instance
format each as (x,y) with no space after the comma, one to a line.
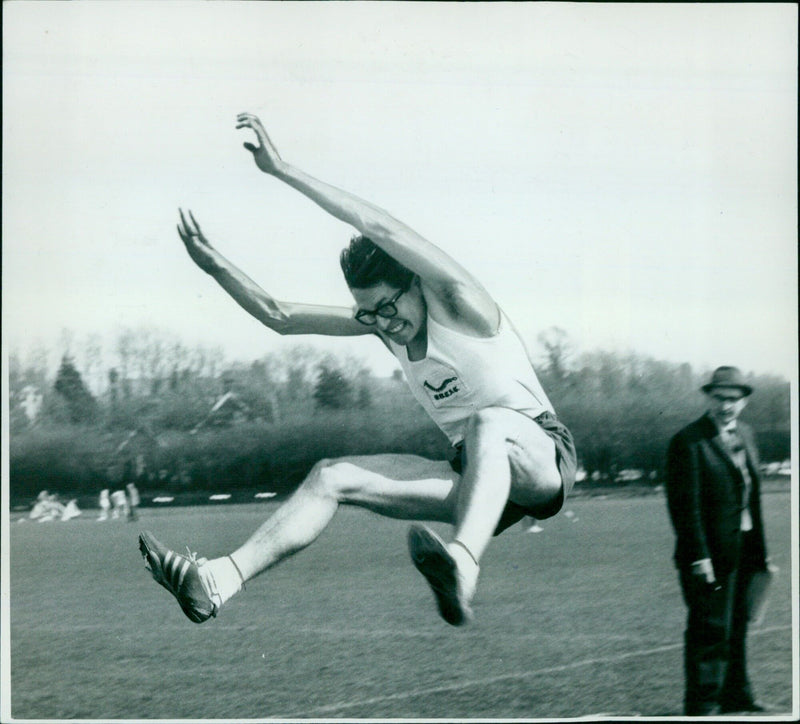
(705,495)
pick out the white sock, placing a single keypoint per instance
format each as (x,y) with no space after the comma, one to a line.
(221,579)
(468,568)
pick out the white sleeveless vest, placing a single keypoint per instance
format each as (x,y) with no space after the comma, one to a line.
(461,374)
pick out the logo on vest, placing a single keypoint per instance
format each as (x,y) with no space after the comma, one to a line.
(442,391)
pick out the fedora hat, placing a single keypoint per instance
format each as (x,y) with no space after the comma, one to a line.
(727,377)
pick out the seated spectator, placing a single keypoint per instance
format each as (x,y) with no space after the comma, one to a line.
(71,510)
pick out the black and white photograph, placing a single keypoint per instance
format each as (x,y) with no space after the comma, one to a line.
(396,361)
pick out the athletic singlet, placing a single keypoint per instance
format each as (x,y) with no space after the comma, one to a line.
(461,374)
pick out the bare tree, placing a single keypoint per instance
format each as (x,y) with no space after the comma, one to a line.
(558,350)
(126,351)
(92,367)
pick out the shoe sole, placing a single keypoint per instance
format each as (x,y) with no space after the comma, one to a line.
(149,548)
(430,556)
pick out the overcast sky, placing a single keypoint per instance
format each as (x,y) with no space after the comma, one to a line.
(625,172)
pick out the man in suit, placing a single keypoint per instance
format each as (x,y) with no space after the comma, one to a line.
(714,504)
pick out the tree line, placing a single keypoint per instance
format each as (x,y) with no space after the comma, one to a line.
(188,419)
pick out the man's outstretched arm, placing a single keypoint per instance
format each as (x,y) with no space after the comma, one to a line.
(282,317)
(456,287)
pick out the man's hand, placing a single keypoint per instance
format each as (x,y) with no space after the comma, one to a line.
(265,154)
(202,253)
(703,570)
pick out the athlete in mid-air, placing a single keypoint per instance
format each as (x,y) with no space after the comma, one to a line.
(465,364)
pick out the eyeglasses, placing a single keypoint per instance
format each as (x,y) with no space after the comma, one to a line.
(387,310)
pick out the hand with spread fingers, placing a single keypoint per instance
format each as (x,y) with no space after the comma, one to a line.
(199,248)
(265,154)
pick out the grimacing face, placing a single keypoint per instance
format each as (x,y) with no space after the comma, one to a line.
(409,321)
(726,404)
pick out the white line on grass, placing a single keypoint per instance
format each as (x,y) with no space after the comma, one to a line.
(341,706)
(345,633)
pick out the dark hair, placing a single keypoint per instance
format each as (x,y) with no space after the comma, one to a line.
(365,264)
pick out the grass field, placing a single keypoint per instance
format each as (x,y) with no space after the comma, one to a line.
(583,619)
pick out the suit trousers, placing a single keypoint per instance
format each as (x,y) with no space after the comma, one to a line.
(715,638)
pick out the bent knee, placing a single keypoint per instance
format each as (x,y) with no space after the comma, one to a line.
(330,477)
(548,479)
(322,477)
(534,490)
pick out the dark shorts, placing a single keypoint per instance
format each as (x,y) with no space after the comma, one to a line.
(566,461)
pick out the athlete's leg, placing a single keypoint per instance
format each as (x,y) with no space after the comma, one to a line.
(509,456)
(398,486)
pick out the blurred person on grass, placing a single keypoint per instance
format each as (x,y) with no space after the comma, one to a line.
(134,499)
(104,502)
(465,364)
(714,500)
(119,505)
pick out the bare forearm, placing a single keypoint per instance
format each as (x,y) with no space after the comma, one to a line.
(281,317)
(251,297)
(367,218)
(242,288)
(285,318)
(393,236)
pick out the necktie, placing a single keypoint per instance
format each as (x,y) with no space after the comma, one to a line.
(736,448)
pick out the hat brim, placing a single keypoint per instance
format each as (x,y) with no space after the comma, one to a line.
(746,389)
